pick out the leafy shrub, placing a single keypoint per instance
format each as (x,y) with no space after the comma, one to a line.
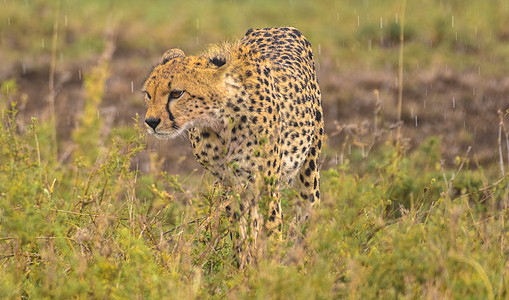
(406,226)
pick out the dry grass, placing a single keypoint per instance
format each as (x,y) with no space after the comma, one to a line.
(95,228)
(392,224)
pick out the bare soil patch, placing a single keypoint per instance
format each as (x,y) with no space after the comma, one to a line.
(458,107)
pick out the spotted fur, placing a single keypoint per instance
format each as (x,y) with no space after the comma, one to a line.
(253,114)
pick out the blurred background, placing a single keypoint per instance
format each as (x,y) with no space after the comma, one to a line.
(455,79)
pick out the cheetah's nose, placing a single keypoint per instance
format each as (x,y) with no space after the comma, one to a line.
(153,122)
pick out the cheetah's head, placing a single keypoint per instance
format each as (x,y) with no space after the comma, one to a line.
(183,92)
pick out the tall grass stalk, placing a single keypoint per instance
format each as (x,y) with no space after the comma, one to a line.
(51,82)
(502,131)
(400,71)
(499,142)
(89,135)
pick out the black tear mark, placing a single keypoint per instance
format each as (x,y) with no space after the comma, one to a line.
(170,115)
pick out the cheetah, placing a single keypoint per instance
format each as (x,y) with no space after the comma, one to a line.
(253,114)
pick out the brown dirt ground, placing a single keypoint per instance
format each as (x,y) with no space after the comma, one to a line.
(459,107)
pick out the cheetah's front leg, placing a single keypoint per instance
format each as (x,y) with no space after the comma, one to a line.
(250,222)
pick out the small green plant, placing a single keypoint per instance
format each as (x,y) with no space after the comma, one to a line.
(391,224)
(88,134)
(406,226)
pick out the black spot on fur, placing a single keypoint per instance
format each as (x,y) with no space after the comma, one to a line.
(218,61)
(318,116)
(312,165)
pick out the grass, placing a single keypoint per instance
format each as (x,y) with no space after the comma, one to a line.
(403,228)
(391,224)
(454,33)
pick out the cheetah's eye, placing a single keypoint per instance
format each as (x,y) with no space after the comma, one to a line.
(175,95)
(147,95)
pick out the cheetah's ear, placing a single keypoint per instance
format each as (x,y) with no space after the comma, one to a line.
(171,54)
